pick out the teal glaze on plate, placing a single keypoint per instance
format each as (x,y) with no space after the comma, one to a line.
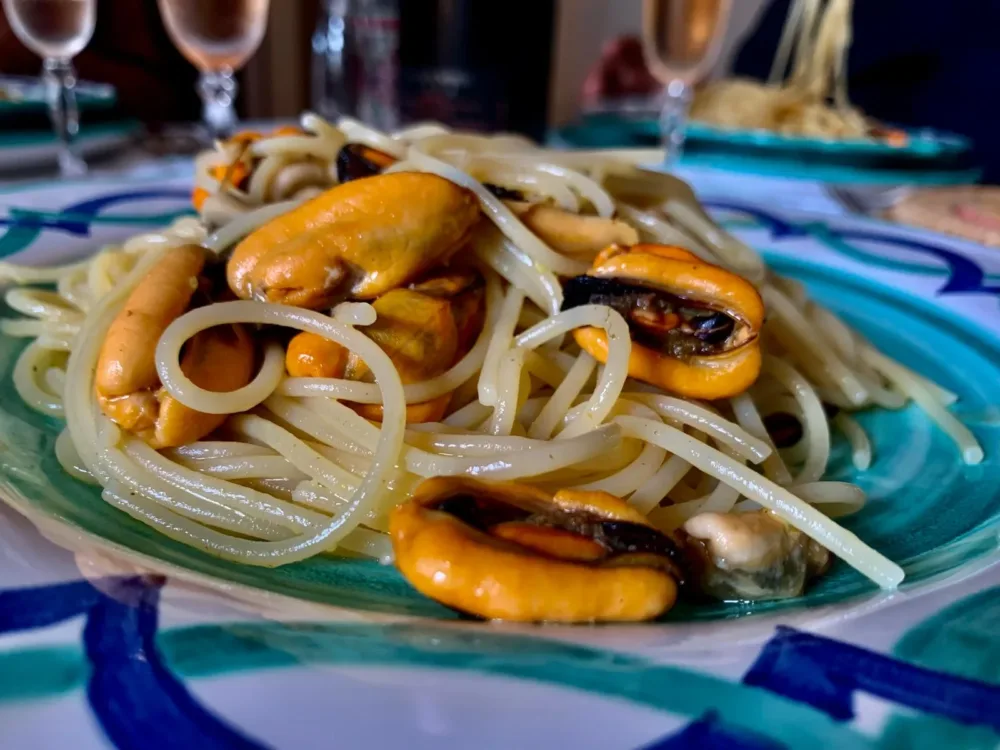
(32,223)
(840,172)
(929,158)
(21,138)
(927,511)
(821,232)
(36,673)
(206,651)
(926,144)
(960,639)
(614,130)
(29,96)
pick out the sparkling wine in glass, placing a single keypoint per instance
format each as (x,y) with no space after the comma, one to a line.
(681,40)
(218,37)
(57,30)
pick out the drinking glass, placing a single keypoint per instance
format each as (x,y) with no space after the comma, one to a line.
(57,30)
(681,40)
(217,37)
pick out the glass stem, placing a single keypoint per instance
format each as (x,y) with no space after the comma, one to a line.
(217,89)
(673,118)
(60,91)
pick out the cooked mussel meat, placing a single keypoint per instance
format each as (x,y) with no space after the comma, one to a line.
(751,556)
(516,552)
(580,236)
(417,331)
(356,240)
(126,382)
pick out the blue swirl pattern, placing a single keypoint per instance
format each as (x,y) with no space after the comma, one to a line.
(964,276)
(140,703)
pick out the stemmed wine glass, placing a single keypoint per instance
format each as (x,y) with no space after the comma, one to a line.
(57,30)
(681,40)
(217,37)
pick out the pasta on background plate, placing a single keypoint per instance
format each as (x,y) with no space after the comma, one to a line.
(812,100)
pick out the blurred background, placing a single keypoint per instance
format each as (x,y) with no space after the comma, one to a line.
(131,49)
(889,92)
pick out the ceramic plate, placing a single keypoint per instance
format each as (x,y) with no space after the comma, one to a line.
(24,94)
(926,144)
(34,149)
(930,157)
(120,656)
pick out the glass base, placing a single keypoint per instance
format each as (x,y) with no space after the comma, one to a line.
(218,89)
(60,91)
(677,98)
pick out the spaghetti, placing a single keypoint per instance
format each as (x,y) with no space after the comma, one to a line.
(301,465)
(812,100)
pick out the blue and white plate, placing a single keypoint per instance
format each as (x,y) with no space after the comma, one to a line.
(113,636)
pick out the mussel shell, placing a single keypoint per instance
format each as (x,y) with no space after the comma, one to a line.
(624,538)
(479,514)
(582,290)
(504,193)
(711,327)
(785,429)
(353,164)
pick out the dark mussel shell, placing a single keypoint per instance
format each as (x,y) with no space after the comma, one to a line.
(785,429)
(593,290)
(480,513)
(619,538)
(503,193)
(710,327)
(355,161)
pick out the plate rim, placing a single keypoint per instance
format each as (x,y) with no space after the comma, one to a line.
(273,605)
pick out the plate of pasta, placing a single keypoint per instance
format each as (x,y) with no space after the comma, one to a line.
(804,107)
(926,157)
(442,374)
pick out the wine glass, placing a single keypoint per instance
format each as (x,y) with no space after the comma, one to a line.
(681,40)
(217,37)
(57,30)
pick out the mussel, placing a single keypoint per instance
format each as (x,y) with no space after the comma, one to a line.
(751,556)
(516,552)
(357,240)
(126,383)
(237,172)
(465,288)
(355,160)
(577,235)
(694,326)
(418,332)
